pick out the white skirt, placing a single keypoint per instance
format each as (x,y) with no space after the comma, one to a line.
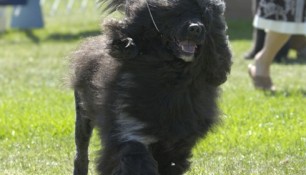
(283,16)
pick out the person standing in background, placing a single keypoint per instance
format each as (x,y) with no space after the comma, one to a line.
(280,19)
(296,42)
(27,16)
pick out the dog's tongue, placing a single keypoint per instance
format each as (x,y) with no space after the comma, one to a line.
(188,46)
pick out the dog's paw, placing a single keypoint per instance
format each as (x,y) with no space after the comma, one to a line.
(135,159)
(124,48)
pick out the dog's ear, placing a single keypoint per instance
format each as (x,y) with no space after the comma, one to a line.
(124,48)
(216,51)
(121,44)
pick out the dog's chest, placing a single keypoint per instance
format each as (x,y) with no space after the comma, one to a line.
(168,119)
(168,104)
(170,115)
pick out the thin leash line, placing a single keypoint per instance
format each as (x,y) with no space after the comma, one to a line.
(152,16)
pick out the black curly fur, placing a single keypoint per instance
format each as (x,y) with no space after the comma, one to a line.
(150,105)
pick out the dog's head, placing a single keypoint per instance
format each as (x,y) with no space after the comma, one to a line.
(193,31)
(185,33)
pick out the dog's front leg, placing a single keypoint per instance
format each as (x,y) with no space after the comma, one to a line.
(172,159)
(136,160)
(83,130)
(130,158)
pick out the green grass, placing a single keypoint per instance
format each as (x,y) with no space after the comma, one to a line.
(261,133)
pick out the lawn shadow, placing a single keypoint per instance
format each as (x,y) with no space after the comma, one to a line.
(72,36)
(30,34)
(292,61)
(287,93)
(37,38)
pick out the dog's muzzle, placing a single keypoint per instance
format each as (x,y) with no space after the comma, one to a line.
(188,46)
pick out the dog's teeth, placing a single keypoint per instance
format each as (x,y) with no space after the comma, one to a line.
(188,46)
(188,49)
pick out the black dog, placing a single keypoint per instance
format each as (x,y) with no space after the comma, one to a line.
(150,85)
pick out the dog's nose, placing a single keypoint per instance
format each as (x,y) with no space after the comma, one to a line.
(195,29)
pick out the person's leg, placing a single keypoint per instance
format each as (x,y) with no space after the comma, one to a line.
(260,70)
(258,35)
(259,39)
(273,43)
(298,43)
(282,53)
(258,42)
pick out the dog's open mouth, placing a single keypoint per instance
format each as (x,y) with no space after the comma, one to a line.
(188,47)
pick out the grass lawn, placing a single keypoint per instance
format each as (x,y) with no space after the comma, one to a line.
(261,133)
